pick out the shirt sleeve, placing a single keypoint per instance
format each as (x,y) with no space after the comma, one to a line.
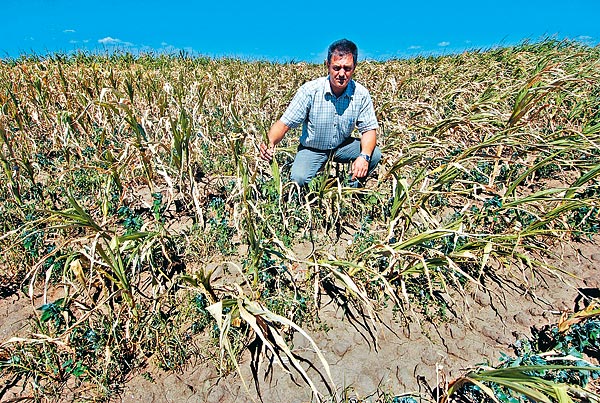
(366,119)
(298,109)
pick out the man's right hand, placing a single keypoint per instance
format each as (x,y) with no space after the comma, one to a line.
(266,152)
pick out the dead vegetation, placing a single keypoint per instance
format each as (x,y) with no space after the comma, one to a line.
(127,180)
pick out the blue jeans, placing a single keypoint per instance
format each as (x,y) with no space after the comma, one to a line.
(309,161)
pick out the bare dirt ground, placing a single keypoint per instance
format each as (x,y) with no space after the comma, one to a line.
(404,353)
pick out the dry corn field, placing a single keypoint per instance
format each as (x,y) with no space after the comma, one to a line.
(142,236)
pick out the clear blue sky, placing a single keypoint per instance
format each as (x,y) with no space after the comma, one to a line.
(286,30)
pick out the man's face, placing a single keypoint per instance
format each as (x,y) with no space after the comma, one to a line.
(340,69)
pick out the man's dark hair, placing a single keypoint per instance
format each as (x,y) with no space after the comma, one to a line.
(342,48)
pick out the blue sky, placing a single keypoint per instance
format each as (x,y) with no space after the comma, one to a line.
(289,31)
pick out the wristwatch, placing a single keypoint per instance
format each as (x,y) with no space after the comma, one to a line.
(365,156)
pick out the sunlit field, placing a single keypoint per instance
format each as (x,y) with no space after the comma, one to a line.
(137,217)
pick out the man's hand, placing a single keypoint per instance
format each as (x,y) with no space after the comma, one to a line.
(276,133)
(360,168)
(266,152)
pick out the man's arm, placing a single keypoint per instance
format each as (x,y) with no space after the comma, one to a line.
(275,135)
(360,166)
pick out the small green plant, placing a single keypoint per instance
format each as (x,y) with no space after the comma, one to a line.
(548,368)
(201,318)
(56,313)
(158,208)
(220,227)
(132,222)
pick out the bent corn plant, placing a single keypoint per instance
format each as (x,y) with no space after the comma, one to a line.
(131,185)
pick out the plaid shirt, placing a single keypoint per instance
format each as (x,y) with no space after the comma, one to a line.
(328,120)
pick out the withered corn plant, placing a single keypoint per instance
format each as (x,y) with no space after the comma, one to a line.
(137,216)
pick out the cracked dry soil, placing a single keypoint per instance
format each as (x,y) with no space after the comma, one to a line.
(403,353)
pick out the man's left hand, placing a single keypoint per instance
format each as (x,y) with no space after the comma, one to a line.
(360,168)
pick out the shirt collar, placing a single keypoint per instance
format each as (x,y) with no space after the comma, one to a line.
(348,92)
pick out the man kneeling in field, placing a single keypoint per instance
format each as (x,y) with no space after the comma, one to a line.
(329,109)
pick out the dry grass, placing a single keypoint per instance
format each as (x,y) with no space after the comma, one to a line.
(123,175)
